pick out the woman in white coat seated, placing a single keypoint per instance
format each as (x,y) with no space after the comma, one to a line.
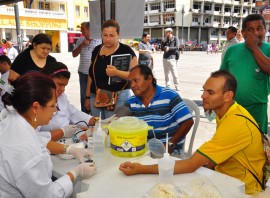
(26,167)
(62,122)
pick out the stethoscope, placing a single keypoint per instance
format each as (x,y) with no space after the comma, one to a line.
(75,137)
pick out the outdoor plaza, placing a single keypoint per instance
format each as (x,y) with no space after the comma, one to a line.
(194,67)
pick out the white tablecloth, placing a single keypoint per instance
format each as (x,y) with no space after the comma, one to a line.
(110,182)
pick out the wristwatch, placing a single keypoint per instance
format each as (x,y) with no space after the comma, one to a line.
(171,145)
(87,97)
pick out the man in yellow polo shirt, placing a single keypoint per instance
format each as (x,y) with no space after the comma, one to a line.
(236,148)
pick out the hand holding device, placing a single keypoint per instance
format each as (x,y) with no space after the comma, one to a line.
(79,153)
(84,170)
(69,130)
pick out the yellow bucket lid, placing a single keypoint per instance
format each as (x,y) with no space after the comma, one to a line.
(128,124)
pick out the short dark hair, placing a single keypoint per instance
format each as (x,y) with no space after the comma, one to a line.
(146,72)
(252,17)
(4,58)
(29,88)
(145,34)
(56,70)
(230,81)
(39,39)
(111,23)
(86,24)
(233,29)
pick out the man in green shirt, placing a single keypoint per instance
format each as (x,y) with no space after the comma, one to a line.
(249,62)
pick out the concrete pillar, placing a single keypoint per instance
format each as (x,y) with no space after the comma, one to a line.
(3,33)
(188,37)
(199,36)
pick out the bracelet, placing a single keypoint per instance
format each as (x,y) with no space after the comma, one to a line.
(87,97)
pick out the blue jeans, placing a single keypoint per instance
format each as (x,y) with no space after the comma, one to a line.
(123,96)
(83,82)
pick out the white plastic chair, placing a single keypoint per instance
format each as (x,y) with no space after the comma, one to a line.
(195,111)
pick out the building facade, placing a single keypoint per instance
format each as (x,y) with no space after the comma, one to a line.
(199,21)
(60,19)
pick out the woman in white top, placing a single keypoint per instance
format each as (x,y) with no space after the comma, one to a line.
(26,167)
(62,122)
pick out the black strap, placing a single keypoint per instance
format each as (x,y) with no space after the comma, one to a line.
(263,136)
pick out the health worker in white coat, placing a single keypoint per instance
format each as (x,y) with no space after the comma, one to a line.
(62,122)
(25,164)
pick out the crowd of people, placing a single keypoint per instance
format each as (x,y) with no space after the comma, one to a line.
(39,113)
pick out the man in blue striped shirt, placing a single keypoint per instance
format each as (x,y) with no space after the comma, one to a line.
(160,107)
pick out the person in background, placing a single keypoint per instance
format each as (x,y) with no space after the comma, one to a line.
(102,70)
(84,48)
(26,166)
(240,37)
(170,46)
(249,63)
(57,48)
(26,43)
(231,39)
(145,51)
(12,53)
(3,50)
(236,148)
(160,107)
(5,64)
(62,122)
(34,58)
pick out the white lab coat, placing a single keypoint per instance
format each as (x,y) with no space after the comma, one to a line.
(25,164)
(67,115)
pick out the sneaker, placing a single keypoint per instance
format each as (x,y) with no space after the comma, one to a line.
(177,88)
(168,86)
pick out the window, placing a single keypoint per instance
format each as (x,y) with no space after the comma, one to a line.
(236,9)
(217,7)
(217,20)
(226,21)
(227,9)
(195,19)
(77,11)
(197,5)
(223,32)
(154,19)
(47,6)
(169,4)
(62,7)
(169,18)
(207,20)
(145,19)
(207,7)
(40,5)
(214,32)
(146,7)
(155,6)
(85,11)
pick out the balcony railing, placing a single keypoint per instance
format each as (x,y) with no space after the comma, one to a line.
(153,11)
(33,13)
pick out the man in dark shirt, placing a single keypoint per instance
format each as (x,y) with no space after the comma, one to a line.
(170,48)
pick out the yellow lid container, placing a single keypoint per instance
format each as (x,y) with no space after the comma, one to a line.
(128,137)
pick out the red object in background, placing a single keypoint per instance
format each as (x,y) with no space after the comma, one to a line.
(72,36)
